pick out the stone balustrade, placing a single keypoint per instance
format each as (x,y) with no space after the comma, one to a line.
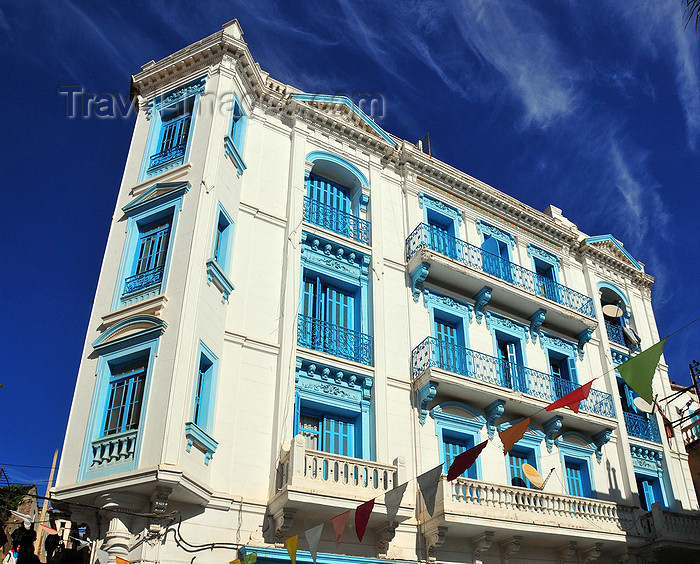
(113,448)
(670,526)
(691,433)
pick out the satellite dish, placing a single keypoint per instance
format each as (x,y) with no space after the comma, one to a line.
(534,476)
(612,310)
(642,405)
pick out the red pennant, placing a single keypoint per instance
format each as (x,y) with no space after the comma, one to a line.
(572,399)
(339,526)
(464,461)
(362,514)
(513,434)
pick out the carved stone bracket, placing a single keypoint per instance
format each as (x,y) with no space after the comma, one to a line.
(600,439)
(435,540)
(493,411)
(550,427)
(510,547)
(418,276)
(384,537)
(583,337)
(481,545)
(622,557)
(481,298)
(592,553)
(159,499)
(283,521)
(425,396)
(567,553)
(536,320)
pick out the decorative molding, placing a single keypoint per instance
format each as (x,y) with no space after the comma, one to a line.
(364,201)
(284,518)
(481,298)
(599,440)
(140,325)
(434,540)
(550,427)
(488,229)
(567,553)
(159,193)
(583,338)
(384,537)
(510,547)
(231,151)
(493,411)
(197,437)
(340,385)
(536,321)
(481,545)
(333,256)
(175,96)
(592,553)
(424,396)
(618,357)
(646,458)
(426,201)
(460,309)
(418,276)
(494,321)
(543,255)
(220,280)
(548,341)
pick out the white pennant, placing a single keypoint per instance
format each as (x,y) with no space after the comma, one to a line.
(313,537)
(392,500)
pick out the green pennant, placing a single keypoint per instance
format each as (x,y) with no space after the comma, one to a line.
(639,370)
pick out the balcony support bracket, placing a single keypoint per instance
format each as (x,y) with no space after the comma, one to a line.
(384,537)
(592,553)
(600,439)
(425,396)
(583,337)
(493,411)
(510,547)
(418,276)
(550,427)
(434,540)
(481,545)
(481,298)
(536,321)
(283,522)
(567,553)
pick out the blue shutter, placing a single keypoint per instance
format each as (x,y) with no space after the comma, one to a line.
(573,377)
(490,256)
(515,463)
(338,436)
(648,494)
(453,447)
(573,479)
(446,334)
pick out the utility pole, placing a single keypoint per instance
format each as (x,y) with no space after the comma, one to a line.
(45,506)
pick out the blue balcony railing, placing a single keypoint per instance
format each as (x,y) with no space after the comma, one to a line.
(474,257)
(143,280)
(615,334)
(478,366)
(642,428)
(166,156)
(337,221)
(333,339)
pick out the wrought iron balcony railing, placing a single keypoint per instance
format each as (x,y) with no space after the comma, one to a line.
(337,221)
(615,334)
(425,237)
(143,280)
(642,428)
(168,155)
(333,339)
(478,366)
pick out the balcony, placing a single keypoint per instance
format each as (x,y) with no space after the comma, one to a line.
(615,334)
(466,269)
(319,485)
(473,365)
(642,428)
(691,433)
(340,222)
(675,536)
(333,339)
(467,507)
(143,280)
(159,160)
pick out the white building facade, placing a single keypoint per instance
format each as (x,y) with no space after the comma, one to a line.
(297,312)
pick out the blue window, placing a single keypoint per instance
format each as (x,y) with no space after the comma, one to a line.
(329,193)
(453,445)
(563,371)
(649,489)
(326,302)
(234,139)
(577,477)
(510,361)
(576,454)
(198,429)
(218,266)
(442,234)
(328,433)
(202,393)
(151,252)
(450,343)
(496,258)
(516,458)
(125,397)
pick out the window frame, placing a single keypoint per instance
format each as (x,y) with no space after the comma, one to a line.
(579,453)
(234,139)
(529,445)
(219,265)
(467,427)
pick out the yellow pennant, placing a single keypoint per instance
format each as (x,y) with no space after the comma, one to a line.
(291,544)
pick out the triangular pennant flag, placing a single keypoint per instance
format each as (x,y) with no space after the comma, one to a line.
(251,558)
(291,543)
(428,484)
(639,370)
(392,500)
(339,526)
(121,560)
(572,399)
(362,514)
(313,537)
(236,561)
(464,461)
(513,434)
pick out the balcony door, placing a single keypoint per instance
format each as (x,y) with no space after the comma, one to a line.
(510,363)
(450,344)
(442,234)
(495,258)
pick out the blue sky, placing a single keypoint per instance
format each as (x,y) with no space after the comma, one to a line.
(593,106)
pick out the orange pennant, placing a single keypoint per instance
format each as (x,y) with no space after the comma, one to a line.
(339,526)
(513,434)
(121,560)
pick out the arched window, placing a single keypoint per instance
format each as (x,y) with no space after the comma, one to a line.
(617,314)
(334,196)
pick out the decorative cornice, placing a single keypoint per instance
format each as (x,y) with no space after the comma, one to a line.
(618,357)
(583,337)
(182,93)
(323,379)
(425,395)
(646,458)
(542,255)
(493,411)
(418,276)
(426,201)
(601,439)
(494,321)
(488,229)
(550,427)
(333,256)
(550,341)
(431,300)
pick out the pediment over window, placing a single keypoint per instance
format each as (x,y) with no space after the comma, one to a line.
(347,110)
(611,246)
(157,194)
(132,328)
